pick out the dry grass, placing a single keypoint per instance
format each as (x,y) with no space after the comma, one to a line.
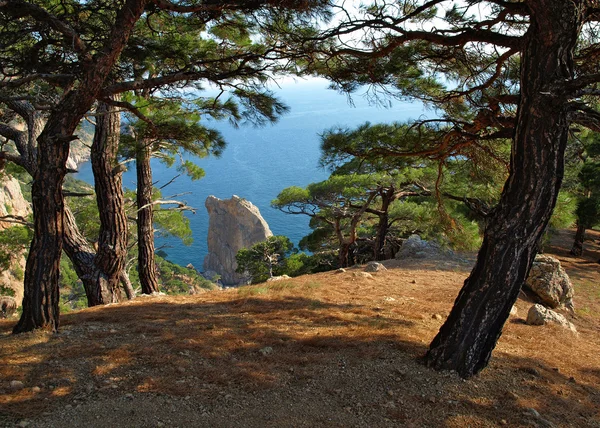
(331,349)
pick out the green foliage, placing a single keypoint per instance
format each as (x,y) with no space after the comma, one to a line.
(173,223)
(72,293)
(13,241)
(565,211)
(176,279)
(6,291)
(582,180)
(265,259)
(18,272)
(588,212)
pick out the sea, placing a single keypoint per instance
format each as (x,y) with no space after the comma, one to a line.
(259,162)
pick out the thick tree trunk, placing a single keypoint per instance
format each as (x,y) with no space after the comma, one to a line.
(467,338)
(145,227)
(41,294)
(112,242)
(577,248)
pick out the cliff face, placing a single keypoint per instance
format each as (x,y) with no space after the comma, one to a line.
(13,203)
(234,224)
(80,151)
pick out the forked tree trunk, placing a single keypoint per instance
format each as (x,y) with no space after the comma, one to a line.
(112,241)
(75,245)
(145,219)
(577,248)
(467,338)
(41,294)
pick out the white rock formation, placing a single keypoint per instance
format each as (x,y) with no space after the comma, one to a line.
(12,201)
(234,224)
(540,315)
(549,281)
(375,267)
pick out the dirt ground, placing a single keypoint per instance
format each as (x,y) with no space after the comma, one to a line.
(324,350)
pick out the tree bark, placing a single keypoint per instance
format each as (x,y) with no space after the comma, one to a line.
(81,254)
(383,224)
(145,226)
(41,294)
(577,248)
(467,338)
(112,241)
(343,255)
(126,282)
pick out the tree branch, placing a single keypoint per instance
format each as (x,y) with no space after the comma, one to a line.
(19,9)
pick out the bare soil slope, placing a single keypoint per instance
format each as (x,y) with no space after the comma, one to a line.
(325,350)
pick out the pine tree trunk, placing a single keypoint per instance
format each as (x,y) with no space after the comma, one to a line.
(467,338)
(81,254)
(577,248)
(145,227)
(112,241)
(343,255)
(129,292)
(41,294)
(383,224)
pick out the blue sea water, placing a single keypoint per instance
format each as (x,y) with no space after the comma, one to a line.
(259,162)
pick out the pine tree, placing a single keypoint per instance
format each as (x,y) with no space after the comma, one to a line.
(519,70)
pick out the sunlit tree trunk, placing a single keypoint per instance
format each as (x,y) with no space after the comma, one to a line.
(112,241)
(145,226)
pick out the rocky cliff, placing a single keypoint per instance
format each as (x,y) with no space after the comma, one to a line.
(13,203)
(234,224)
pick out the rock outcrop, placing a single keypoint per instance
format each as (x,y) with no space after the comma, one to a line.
(13,203)
(234,224)
(79,151)
(540,315)
(549,281)
(8,306)
(416,248)
(375,267)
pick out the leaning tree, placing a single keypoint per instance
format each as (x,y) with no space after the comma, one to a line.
(526,70)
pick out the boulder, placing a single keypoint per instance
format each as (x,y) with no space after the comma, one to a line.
(8,306)
(540,315)
(549,281)
(278,278)
(416,248)
(234,224)
(363,275)
(375,267)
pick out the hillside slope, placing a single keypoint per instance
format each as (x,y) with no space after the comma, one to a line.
(324,350)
